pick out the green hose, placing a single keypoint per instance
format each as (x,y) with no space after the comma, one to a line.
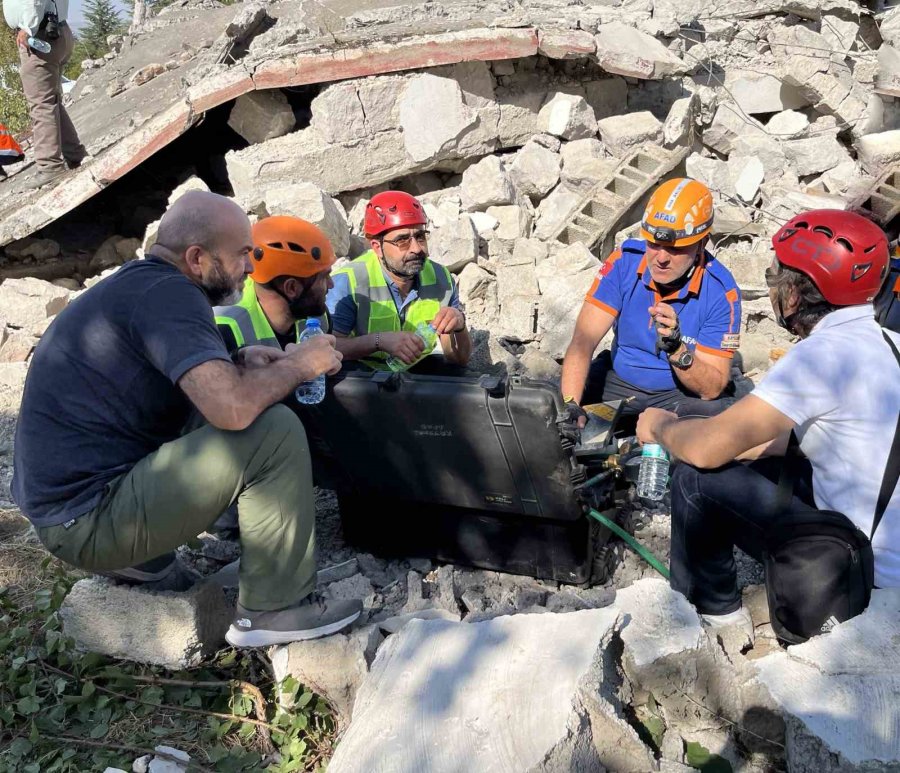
(631,542)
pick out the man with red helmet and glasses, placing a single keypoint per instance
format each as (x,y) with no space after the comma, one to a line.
(675,310)
(838,390)
(381,297)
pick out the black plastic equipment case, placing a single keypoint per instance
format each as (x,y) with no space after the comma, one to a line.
(466,470)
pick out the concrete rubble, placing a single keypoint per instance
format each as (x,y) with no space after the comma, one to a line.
(533,133)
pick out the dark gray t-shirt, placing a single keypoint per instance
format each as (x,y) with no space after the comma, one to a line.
(101,391)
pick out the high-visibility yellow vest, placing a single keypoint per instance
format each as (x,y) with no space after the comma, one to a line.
(248,322)
(376,310)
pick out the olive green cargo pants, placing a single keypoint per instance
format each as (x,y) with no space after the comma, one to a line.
(179,490)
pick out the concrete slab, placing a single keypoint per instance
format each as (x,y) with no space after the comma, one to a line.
(492,696)
(840,691)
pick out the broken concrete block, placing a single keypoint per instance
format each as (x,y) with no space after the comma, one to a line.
(166,629)
(568,116)
(787,125)
(486,184)
(678,128)
(113,252)
(563,279)
(621,133)
(478,292)
(455,244)
(517,318)
(516,706)
(748,270)
(768,151)
(193,183)
(307,201)
(623,50)
(607,97)
(520,103)
(307,156)
(27,302)
(146,74)
(395,623)
(727,125)
(527,252)
(747,175)
(163,762)
(756,92)
(261,115)
(565,44)
(874,151)
(485,224)
(333,666)
(712,172)
(29,247)
(535,170)
(17,346)
(554,210)
(513,221)
(585,164)
(516,280)
(815,154)
(357,587)
(433,115)
(839,692)
(839,180)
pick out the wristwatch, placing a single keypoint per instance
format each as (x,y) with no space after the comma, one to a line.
(684,360)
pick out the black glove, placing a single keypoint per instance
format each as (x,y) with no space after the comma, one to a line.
(569,428)
(670,341)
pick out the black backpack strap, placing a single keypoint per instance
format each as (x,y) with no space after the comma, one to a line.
(788,478)
(892,470)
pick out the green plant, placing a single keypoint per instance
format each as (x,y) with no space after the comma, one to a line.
(65,711)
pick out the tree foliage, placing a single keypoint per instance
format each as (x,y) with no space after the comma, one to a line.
(101,19)
(13,110)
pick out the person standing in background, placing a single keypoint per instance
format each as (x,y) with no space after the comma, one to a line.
(55,141)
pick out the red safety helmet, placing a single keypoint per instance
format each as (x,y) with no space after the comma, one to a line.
(392,209)
(844,254)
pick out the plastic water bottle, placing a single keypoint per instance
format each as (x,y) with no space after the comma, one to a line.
(428,334)
(311,392)
(653,476)
(39,45)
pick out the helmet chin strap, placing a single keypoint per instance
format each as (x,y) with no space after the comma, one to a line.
(780,319)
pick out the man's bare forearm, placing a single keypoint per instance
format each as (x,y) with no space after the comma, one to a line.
(576,365)
(356,347)
(702,379)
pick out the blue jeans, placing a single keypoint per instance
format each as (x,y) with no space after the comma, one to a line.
(714,510)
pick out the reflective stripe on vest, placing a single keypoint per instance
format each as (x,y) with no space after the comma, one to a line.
(248,321)
(376,311)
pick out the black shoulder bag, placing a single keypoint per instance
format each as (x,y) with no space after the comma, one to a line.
(820,569)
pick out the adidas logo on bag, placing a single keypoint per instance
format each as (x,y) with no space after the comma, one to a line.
(829,624)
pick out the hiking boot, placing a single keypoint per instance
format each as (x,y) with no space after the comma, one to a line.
(43,178)
(311,618)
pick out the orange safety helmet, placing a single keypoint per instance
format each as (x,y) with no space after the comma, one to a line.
(679,213)
(289,246)
(392,209)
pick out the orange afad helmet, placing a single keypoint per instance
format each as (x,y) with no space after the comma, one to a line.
(679,213)
(289,246)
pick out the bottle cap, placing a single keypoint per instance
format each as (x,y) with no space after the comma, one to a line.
(313,322)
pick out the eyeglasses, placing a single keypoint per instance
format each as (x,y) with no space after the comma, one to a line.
(403,242)
(772,275)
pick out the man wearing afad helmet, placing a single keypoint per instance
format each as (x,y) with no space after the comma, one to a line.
(838,390)
(675,310)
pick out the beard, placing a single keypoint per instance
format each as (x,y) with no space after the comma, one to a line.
(306,306)
(408,269)
(221,289)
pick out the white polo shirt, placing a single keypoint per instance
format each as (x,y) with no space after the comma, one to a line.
(841,386)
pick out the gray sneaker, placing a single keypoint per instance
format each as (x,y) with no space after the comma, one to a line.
(311,618)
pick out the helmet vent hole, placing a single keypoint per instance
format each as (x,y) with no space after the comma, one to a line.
(821,229)
(276,245)
(845,243)
(294,247)
(801,224)
(871,247)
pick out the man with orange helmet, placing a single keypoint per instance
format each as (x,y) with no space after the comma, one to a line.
(382,296)
(675,310)
(292,262)
(838,390)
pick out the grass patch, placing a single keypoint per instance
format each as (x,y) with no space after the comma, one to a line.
(65,711)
